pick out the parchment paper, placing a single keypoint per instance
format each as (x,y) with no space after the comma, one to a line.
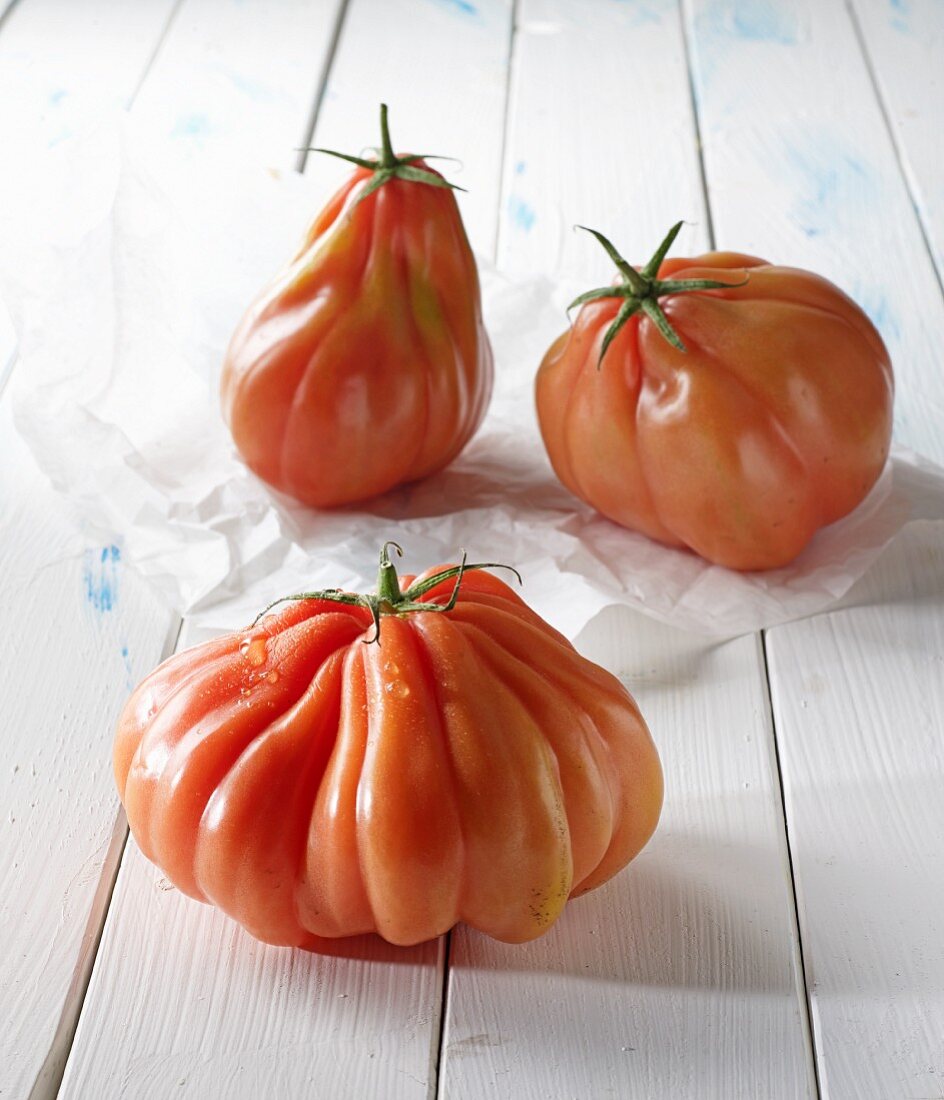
(125,270)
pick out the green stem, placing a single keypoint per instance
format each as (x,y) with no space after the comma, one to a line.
(387,158)
(641,290)
(389,598)
(388,166)
(388,583)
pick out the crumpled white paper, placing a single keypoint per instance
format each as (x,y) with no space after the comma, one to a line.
(126,270)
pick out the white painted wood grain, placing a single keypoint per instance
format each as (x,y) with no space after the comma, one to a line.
(600,134)
(680,977)
(7,345)
(222,1014)
(239,78)
(859,699)
(857,692)
(904,40)
(78,631)
(63,66)
(185,1003)
(441,66)
(79,628)
(799,183)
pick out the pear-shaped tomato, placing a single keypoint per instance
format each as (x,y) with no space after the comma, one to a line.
(755,408)
(472,766)
(365,364)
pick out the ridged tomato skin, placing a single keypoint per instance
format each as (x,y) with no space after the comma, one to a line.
(774,422)
(472,767)
(366,363)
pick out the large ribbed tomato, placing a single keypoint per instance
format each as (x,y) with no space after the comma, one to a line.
(772,420)
(366,363)
(470,767)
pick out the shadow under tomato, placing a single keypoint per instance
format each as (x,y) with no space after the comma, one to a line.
(686,914)
(371,948)
(480,478)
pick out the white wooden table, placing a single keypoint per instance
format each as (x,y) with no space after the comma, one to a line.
(783,934)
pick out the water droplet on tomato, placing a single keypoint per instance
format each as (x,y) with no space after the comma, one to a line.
(392,667)
(254,650)
(273,677)
(397,688)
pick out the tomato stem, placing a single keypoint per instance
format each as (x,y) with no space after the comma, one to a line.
(389,598)
(388,166)
(388,583)
(387,159)
(642,289)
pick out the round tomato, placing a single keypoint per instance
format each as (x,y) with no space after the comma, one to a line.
(719,403)
(366,363)
(469,766)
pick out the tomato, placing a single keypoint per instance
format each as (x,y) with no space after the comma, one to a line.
(469,766)
(749,408)
(365,364)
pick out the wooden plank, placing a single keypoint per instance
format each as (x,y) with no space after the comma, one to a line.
(441,66)
(63,66)
(856,693)
(579,153)
(680,977)
(238,79)
(227,1013)
(80,630)
(8,343)
(905,44)
(80,627)
(799,185)
(859,700)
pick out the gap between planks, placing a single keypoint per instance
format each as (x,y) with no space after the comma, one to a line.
(309,133)
(892,136)
(800,958)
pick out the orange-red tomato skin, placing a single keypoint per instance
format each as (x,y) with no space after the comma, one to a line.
(366,363)
(774,422)
(471,767)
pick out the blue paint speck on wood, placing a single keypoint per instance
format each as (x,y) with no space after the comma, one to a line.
(749,20)
(833,185)
(129,671)
(100,577)
(463,6)
(521,213)
(898,19)
(876,305)
(193,126)
(640,13)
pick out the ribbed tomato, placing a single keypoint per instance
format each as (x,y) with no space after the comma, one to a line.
(771,420)
(472,766)
(366,363)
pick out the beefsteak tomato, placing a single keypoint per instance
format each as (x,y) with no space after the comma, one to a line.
(771,420)
(366,363)
(472,766)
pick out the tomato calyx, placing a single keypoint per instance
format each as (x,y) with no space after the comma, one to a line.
(389,599)
(641,290)
(388,166)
